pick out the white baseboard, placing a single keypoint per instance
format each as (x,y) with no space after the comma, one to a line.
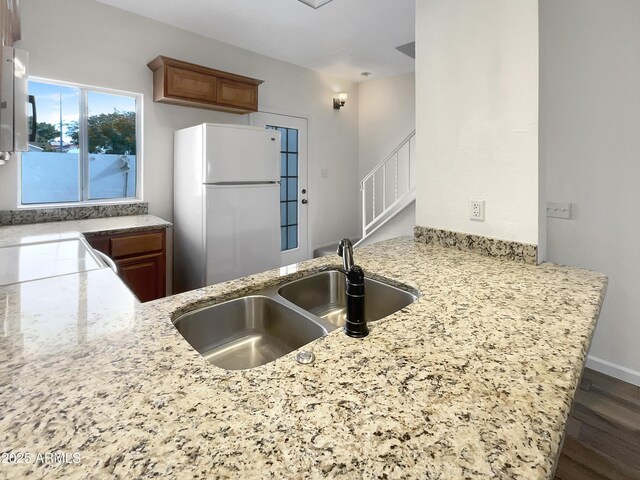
(621,373)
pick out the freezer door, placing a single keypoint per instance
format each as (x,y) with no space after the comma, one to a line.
(235,153)
(242,230)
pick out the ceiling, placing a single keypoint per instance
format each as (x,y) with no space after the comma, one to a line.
(342,38)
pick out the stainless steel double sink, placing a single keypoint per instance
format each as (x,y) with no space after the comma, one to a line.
(256,329)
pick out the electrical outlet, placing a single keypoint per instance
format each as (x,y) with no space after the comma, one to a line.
(559,210)
(476,210)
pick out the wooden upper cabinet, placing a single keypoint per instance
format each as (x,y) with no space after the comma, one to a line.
(232,92)
(190,85)
(187,84)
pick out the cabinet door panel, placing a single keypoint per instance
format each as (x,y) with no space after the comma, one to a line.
(144,275)
(191,85)
(238,94)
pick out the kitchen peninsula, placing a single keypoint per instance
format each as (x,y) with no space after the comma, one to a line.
(473,380)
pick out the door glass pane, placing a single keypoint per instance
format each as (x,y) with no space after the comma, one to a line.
(292,188)
(292,164)
(51,167)
(288,187)
(292,213)
(111,131)
(292,140)
(283,138)
(292,237)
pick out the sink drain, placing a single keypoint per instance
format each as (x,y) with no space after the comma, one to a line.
(305,358)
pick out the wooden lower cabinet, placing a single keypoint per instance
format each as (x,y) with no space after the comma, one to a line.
(141,259)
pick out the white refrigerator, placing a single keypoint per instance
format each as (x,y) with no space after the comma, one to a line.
(226,203)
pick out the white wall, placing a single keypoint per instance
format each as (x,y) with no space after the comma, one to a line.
(477,116)
(387,117)
(590,123)
(90,43)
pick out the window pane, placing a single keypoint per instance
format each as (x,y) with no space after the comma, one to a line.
(292,140)
(51,167)
(49,177)
(283,139)
(283,189)
(292,237)
(111,133)
(292,189)
(292,162)
(283,164)
(61,166)
(292,213)
(283,214)
(283,239)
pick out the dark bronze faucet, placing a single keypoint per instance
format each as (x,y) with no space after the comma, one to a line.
(356,323)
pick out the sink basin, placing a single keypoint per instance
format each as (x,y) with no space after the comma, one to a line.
(324,295)
(247,332)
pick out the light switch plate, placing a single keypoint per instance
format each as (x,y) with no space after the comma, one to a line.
(559,210)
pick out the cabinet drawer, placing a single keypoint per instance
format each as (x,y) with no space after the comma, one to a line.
(238,94)
(135,244)
(192,85)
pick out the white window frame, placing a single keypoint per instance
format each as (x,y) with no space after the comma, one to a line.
(83,171)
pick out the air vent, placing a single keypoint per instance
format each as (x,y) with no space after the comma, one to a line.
(315,3)
(408,49)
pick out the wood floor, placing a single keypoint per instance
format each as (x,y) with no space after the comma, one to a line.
(603,433)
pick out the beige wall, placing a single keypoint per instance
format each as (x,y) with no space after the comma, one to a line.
(589,125)
(387,116)
(477,116)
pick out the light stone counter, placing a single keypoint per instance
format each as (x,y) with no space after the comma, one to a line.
(473,380)
(16,234)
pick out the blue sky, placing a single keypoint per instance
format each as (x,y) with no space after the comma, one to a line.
(49,96)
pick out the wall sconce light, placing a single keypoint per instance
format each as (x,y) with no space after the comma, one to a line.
(339,101)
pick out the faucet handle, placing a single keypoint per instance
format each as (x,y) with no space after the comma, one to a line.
(344,243)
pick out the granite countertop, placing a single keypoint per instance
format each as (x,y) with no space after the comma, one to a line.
(15,234)
(473,380)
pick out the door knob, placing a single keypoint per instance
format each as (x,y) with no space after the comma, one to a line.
(305,201)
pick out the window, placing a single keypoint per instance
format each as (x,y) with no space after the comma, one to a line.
(288,187)
(87,145)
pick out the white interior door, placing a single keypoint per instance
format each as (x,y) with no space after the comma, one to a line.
(293,183)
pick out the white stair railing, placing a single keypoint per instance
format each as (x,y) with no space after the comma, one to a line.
(389,187)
